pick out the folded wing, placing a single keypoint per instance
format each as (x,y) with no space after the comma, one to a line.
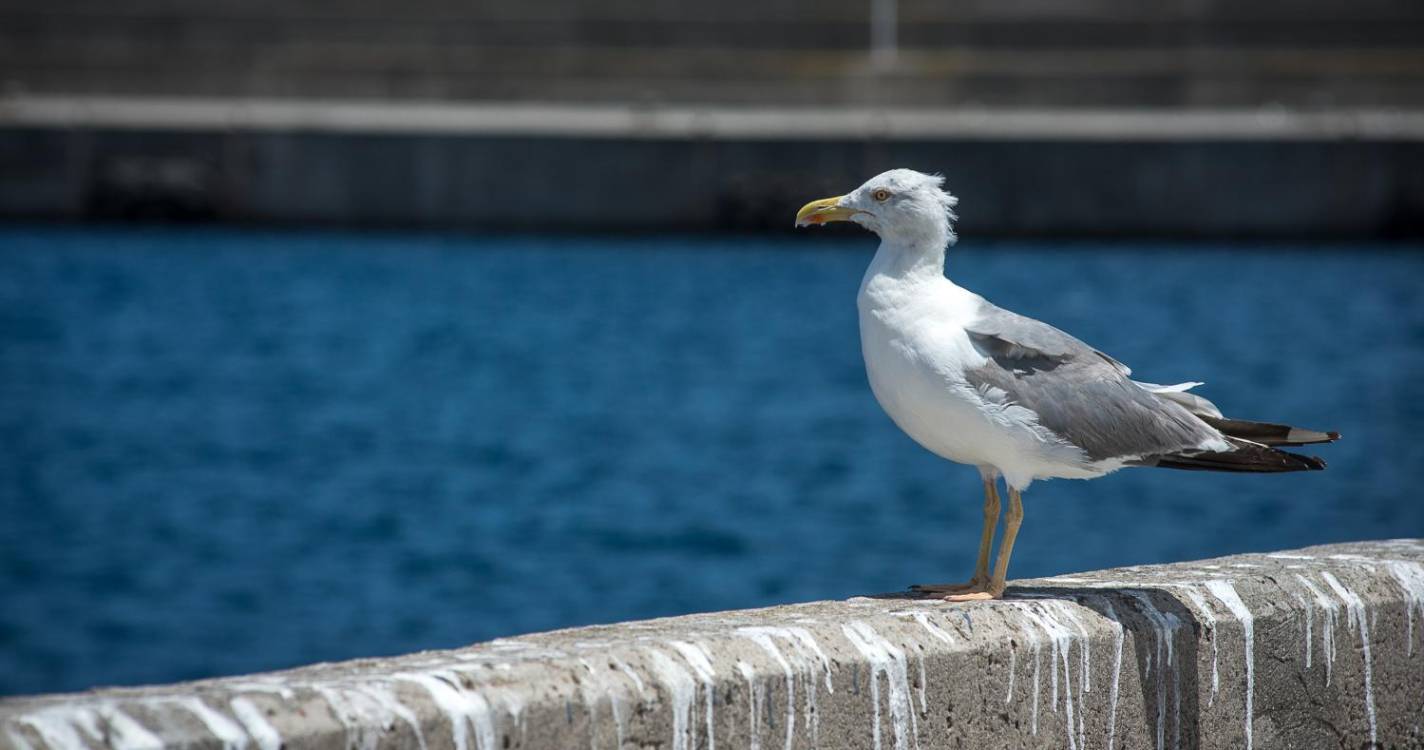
(1087,399)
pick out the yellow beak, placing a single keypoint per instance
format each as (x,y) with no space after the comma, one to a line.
(822,211)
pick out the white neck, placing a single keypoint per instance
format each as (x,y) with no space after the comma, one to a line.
(908,262)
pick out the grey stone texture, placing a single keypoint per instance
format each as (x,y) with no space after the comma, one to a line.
(1317,648)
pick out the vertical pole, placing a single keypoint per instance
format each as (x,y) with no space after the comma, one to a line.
(883,27)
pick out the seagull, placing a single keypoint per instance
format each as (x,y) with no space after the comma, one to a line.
(1019,399)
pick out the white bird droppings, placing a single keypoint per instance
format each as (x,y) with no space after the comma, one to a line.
(125,733)
(1202,608)
(885,658)
(762,638)
(754,696)
(59,726)
(232,736)
(923,619)
(1355,612)
(1117,667)
(366,712)
(702,665)
(264,734)
(1050,616)
(1410,576)
(1224,591)
(1327,625)
(463,708)
(1164,628)
(682,689)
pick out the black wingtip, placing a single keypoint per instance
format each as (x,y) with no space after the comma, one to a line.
(1333,435)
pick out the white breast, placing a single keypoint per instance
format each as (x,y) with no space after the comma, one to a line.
(916,350)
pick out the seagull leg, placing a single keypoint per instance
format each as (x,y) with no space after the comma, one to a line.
(995,587)
(986,541)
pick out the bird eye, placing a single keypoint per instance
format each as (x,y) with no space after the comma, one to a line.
(881,195)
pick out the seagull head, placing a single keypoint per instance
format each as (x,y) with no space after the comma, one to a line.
(902,206)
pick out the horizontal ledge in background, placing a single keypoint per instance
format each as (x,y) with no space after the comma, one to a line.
(1321,647)
(655,122)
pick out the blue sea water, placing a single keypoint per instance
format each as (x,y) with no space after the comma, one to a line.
(227,451)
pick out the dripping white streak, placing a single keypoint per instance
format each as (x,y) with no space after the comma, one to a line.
(17,740)
(1410,576)
(1164,627)
(924,707)
(934,630)
(809,656)
(365,715)
(627,670)
(804,642)
(385,698)
(1327,626)
(463,708)
(923,619)
(1226,593)
(682,689)
(591,701)
(1309,621)
(803,636)
(1085,684)
(702,665)
(1061,643)
(762,638)
(232,736)
(56,726)
(125,733)
(754,696)
(1037,661)
(1355,611)
(885,657)
(1117,668)
(264,734)
(1204,609)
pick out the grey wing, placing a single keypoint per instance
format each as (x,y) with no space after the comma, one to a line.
(1079,393)
(1017,334)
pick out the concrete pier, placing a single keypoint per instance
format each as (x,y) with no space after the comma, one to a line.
(1320,647)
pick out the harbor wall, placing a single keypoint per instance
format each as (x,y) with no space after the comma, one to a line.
(1104,174)
(1319,647)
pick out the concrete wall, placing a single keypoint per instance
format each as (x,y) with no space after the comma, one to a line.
(1074,53)
(1317,648)
(1203,174)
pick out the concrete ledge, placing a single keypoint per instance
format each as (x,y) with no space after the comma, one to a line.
(720,122)
(1322,647)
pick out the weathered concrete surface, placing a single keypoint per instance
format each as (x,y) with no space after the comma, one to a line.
(1323,647)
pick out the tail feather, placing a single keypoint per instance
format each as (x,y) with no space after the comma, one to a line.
(1247,457)
(1267,433)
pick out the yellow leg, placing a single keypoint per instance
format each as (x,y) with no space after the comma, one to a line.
(986,542)
(986,538)
(995,589)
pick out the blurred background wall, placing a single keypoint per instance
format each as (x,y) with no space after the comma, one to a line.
(1072,53)
(1303,116)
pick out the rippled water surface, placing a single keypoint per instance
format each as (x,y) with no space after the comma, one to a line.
(229,451)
